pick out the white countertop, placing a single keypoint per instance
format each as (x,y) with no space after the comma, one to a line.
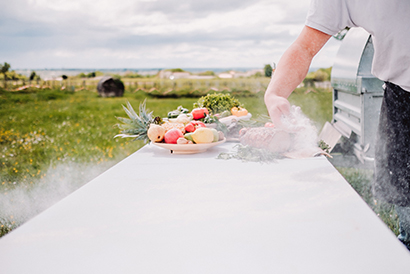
(157,212)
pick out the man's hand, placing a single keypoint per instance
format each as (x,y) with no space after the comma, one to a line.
(277,107)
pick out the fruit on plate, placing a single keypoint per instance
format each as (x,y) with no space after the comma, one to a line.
(177,112)
(169,126)
(172,135)
(136,126)
(203,135)
(182,118)
(156,133)
(216,135)
(183,141)
(238,111)
(199,113)
(193,125)
(188,136)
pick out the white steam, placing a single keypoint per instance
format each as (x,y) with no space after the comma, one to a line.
(22,202)
(305,134)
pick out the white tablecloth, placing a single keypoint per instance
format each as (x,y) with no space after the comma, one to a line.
(157,212)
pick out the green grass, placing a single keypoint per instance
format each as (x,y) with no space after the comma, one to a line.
(360,180)
(40,128)
(44,130)
(315,103)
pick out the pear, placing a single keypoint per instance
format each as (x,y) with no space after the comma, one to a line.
(203,135)
(156,133)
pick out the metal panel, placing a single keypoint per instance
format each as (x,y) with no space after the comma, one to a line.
(348,59)
(357,94)
(347,109)
(371,111)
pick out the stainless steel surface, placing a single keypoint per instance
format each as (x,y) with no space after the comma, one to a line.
(357,94)
(352,68)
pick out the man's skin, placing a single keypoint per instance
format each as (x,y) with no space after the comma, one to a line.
(291,70)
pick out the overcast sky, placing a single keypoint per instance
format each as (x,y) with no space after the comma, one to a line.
(151,33)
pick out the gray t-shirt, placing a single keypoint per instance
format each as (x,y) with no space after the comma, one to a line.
(387,21)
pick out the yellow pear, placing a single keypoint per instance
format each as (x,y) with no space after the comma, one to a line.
(156,133)
(203,135)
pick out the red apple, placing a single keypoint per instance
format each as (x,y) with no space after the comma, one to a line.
(190,127)
(172,135)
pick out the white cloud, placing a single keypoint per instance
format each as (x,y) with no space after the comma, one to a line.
(56,5)
(191,33)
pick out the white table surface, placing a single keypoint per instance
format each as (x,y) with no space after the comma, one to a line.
(160,213)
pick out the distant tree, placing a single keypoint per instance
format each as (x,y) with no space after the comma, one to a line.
(321,76)
(33,75)
(207,73)
(99,73)
(327,72)
(258,74)
(91,74)
(268,70)
(133,75)
(13,75)
(176,70)
(4,69)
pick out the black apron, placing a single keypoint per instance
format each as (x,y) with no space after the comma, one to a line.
(392,159)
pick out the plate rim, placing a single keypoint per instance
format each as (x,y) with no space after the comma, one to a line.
(188,147)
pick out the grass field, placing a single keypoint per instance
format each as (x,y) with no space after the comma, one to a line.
(53,141)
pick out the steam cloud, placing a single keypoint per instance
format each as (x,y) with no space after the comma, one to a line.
(306,134)
(19,204)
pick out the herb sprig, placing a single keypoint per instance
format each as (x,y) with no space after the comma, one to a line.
(250,154)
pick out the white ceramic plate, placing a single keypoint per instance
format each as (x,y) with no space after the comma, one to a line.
(188,148)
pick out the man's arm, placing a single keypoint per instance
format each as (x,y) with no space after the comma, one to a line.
(291,70)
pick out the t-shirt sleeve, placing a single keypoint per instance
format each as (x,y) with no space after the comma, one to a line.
(329,16)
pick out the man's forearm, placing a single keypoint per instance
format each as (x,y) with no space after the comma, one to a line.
(291,70)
